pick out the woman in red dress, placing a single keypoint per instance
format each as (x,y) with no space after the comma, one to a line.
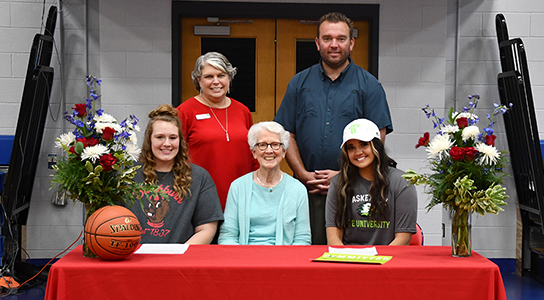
(216,126)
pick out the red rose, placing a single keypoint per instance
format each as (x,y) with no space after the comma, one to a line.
(107,133)
(490,140)
(423,141)
(457,153)
(462,122)
(87,142)
(107,161)
(92,141)
(470,153)
(81,110)
(72,149)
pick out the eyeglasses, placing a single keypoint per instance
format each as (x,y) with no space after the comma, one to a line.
(263,146)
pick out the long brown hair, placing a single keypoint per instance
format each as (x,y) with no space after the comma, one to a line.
(182,169)
(379,188)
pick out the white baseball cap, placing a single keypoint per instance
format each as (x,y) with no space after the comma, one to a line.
(362,130)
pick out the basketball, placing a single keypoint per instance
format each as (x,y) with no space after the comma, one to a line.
(112,232)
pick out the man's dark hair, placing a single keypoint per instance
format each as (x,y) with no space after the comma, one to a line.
(336,17)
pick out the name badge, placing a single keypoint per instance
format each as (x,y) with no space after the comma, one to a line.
(203,116)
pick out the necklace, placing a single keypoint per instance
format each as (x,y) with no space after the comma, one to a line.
(226,118)
(270,187)
(226,124)
(164,177)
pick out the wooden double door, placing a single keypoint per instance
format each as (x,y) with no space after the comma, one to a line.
(266,52)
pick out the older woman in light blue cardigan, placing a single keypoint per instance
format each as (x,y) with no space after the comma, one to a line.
(266,207)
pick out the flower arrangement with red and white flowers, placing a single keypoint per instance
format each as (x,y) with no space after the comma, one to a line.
(467,168)
(98,168)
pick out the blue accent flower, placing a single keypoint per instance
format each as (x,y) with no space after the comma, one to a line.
(77,134)
(79,124)
(95,96)
(124,135)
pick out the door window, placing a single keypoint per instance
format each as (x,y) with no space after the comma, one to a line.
(241,54)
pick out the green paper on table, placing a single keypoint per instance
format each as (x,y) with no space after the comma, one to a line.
(353,258)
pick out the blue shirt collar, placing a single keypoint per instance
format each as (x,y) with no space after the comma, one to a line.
(342,74)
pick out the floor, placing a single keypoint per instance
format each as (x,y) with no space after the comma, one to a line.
(36,292)
(516,287)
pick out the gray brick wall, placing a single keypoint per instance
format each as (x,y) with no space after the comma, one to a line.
(130,46)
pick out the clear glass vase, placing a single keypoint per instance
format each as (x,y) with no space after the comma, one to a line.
(461,236)
(89,210)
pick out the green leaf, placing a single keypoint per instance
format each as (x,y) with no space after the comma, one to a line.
(89,166)
(98,169)
(414,178)
(78,147)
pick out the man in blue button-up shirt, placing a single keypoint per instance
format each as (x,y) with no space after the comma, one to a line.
(320,101)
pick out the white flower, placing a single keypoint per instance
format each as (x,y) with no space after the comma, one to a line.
(466,115)
(94,152)
(105,118)
(65,140)
(470,132)
(116,147)
(439,145)
(100,127)
(132,126)
(133,151)
(132,138)
(489,153)
(450,129)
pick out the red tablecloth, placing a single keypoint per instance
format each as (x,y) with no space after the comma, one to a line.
(276,272)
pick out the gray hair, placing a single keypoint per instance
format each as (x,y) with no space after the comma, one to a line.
(271,126)
(216,60)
